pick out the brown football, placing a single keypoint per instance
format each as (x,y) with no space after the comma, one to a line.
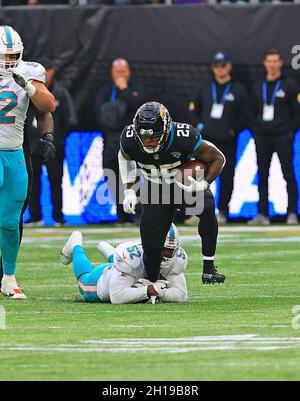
(194,168)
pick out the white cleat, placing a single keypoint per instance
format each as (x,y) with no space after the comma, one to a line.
(66,256)
(106,249)
(11,290)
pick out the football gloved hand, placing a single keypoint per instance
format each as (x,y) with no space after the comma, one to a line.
(195,186)
(47,143)
(160,287)
(21,81)
(130,201)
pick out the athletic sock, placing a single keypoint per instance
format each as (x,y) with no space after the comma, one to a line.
(208,263)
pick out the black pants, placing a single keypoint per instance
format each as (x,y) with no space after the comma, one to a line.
(30,176)
(227,175)
(55,174)
(265,147)
(155,224)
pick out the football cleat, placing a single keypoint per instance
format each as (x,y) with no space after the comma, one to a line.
(212,276)
(75,239)
(12,290)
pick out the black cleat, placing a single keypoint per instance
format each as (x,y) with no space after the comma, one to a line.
(212,276)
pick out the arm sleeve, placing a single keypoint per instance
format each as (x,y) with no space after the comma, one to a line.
(122,292)
(35,72)
(177,289)
(127,169)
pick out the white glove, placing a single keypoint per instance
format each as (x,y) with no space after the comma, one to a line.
(21,81)
(195,186)
(160,287)
(130,201)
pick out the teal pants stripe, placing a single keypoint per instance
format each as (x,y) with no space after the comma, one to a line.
(86,275)
(13,192)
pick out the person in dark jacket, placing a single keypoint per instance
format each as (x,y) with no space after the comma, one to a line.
(65,119)
(115,107)
(276,106)
(220,109)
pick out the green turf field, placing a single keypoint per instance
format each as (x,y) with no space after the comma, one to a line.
(239,330)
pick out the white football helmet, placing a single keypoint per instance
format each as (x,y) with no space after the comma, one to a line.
(171,243)
(128,258)
(10,45)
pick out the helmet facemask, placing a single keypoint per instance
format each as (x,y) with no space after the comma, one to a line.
(11,50)
(149,125)
(8,64)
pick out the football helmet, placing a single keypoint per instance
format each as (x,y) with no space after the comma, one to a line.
(152,120)
(128,258)
(171,243)
(10,45)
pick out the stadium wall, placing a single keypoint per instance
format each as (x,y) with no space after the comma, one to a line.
(169,47)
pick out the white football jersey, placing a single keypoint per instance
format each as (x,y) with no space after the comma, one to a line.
(14,104)
(120,287)
(103,284)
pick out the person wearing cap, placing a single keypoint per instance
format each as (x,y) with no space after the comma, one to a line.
(276,108)
(220,109)
(115,107)
(65,119)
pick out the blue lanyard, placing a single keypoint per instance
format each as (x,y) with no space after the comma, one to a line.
(265,96)
(214,92)
(113,96)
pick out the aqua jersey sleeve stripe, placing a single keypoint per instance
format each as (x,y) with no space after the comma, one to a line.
(198,144)
(171,137)
(172,234)
(8,37)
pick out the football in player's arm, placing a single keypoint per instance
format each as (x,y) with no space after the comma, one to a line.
(159,147)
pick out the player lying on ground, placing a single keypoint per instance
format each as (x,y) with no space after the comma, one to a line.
(21,82)
(122,280)
(159,147)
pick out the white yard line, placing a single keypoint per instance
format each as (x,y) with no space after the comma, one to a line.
(166,345)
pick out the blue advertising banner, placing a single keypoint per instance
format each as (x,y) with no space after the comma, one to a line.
(83,176)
